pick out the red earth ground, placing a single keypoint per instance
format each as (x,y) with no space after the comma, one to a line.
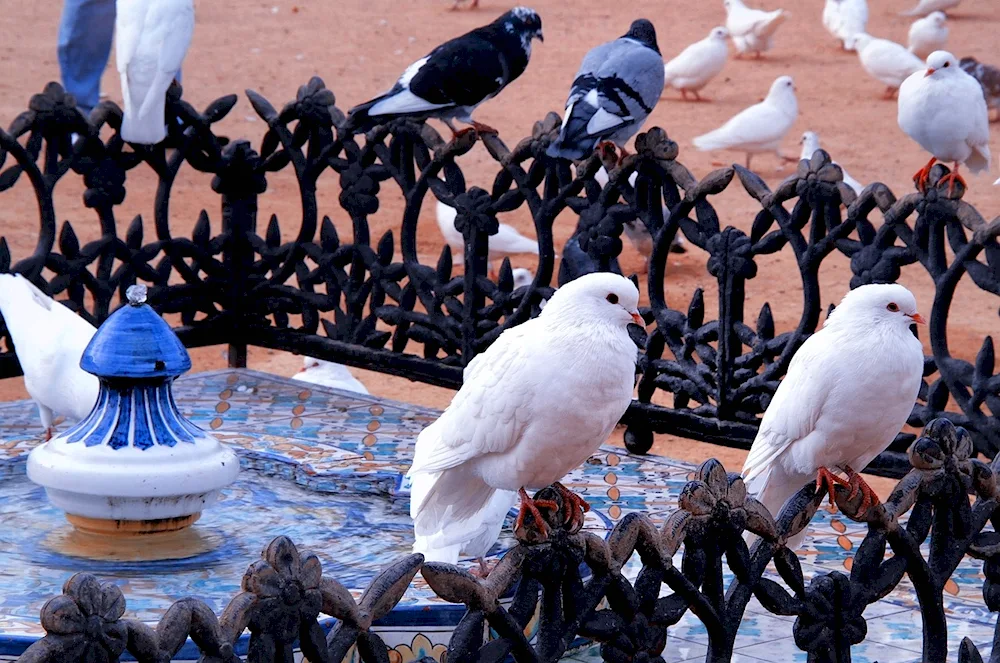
(359,48)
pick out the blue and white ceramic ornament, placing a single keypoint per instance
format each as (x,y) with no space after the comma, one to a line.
(135,464)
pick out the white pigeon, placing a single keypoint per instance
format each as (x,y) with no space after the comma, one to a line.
(49,340)
(928,34)
(849,390)
(752,30)
(636,230)
(536,404)
(759,128)
(506,242)
(943,109)
(845,18)
(810,143)
(328,374)
(925,7)
(522,277)
(886,61)
(151,39)
(697,64)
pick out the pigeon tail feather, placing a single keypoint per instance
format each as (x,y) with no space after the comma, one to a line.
(574,142)
(146,125)
(454,511)
(979,160)
(770,25)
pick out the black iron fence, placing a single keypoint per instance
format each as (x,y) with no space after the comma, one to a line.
(355,302)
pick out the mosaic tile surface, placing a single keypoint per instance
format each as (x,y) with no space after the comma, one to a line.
(326,468)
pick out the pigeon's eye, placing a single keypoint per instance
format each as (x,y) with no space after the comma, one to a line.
(612,297)
(947,63)
(892,307)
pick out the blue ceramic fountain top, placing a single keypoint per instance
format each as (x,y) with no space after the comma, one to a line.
(135,342)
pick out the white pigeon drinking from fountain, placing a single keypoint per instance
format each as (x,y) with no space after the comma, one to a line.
(849,390)
(536,404)
(49,340)
(328,374)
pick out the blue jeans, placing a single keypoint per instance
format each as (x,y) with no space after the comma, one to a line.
(85,33)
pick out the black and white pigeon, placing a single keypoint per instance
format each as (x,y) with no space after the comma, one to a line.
(453,79)
(615,90)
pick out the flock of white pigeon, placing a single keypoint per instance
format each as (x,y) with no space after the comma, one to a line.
(548,392)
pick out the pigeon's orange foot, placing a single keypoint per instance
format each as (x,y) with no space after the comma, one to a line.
(607,150)
(920,179)
(48,433)
(828,480)
(573,507)
(539,525)
(622,155)
(951,178)
(483,570)
(857,485)
(484,129)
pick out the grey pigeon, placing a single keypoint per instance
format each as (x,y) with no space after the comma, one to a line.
(615,90)
(988,77)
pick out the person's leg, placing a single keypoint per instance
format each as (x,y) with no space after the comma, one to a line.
(85,34)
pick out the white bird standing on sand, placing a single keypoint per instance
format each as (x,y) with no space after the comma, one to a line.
(810,143)
(886,61)
(752,30)
(697,64)
(506,242)
(536,404)
(151,39)
(759,128)
(328,374)
(845,18)
(849,390)
(928,34)
(925,7)
(943,109)
(49,340)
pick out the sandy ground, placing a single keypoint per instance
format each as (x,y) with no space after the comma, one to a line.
(359,48)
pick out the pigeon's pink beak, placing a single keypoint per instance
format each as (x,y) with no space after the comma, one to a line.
(930,70)
(638,320)
(917,318)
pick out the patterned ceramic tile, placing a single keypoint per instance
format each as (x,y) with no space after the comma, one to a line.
(326,468)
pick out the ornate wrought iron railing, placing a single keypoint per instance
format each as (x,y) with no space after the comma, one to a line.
(284,593)
(356,302)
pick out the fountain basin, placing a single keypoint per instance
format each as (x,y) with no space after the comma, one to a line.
(324,468)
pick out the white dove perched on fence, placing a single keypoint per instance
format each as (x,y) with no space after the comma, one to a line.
(533,406)
(752,30)
(49,340)
(614,91)
(849,390)
(697,64)
(151,39)
(759,128)
(886,61)
(943,109)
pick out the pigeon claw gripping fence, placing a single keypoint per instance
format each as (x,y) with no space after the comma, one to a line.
(368,303)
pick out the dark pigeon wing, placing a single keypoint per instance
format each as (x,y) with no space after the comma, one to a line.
(462,72)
